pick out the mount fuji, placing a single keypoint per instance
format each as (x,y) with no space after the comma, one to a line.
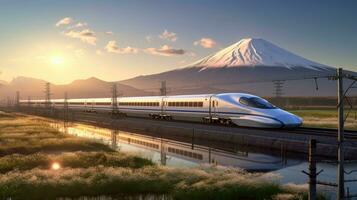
(250,65)
(256,52)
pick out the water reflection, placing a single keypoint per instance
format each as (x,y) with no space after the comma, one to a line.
(180,153)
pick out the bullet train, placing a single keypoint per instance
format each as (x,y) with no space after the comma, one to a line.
(227,108)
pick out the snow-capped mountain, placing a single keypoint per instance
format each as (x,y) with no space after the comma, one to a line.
(250,65)
(256,52)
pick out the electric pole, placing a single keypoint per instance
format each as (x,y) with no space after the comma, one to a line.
(163,90)
(341,171)
(278,86)
(65,111)
(114,99)
(17,99)
(29,101)
(47,95)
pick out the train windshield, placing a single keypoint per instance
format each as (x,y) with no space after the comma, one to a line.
(256,102)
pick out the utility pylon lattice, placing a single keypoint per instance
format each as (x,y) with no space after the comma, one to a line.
(8,102)
(278,86)
(114,99)
(163,89)
(65,111)
(17,99)
(48,95)
(29,101)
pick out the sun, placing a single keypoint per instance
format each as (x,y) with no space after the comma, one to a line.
(56,60)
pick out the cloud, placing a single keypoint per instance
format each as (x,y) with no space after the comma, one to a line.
(112,47)
(170,36)
(64,21)
(80,24)
(99,52)
(86,36)
(206,43)
(165,51)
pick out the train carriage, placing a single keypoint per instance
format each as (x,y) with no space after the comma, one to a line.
(227,108)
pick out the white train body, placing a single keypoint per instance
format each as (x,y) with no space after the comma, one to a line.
(237,108)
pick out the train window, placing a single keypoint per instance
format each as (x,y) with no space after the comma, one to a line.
(104,103)
(256,102)
(190,104)
(200,104)
(186,104)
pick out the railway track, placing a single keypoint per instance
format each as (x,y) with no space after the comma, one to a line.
(309,131)
(349,134)
(320,132)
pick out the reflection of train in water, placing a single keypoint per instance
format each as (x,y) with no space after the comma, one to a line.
(237,108)
(174,151)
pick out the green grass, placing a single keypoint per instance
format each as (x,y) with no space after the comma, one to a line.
(28,147)
(326,118)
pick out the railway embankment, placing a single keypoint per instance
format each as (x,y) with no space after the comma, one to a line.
(278,140)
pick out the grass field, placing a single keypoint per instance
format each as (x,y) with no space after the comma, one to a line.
(29,147)
(327,118)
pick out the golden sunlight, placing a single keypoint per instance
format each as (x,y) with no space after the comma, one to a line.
(55,166)
(56,60)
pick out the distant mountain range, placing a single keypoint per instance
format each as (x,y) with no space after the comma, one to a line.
(92,87)
(250,65)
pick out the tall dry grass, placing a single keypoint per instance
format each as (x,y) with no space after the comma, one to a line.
(203,183)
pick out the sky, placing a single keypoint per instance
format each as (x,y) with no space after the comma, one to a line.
(61,41)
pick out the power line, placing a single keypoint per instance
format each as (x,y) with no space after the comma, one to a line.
(329,77)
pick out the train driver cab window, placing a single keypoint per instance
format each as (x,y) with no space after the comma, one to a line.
(256,102)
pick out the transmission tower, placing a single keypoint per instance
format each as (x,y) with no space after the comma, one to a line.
(17,99)
(47,95)
(8,102)
(65,111)
(278,86)
(29,101)
(163,89)
(114,98)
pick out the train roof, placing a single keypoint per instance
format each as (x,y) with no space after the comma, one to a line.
(152,97)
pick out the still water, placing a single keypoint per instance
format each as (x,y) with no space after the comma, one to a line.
(176,153)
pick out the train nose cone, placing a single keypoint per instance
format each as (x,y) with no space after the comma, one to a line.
(290,120)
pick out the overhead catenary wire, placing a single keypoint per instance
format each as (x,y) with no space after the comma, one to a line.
(313,77)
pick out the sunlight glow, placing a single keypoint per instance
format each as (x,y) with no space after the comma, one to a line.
(55,166)
(56,60)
